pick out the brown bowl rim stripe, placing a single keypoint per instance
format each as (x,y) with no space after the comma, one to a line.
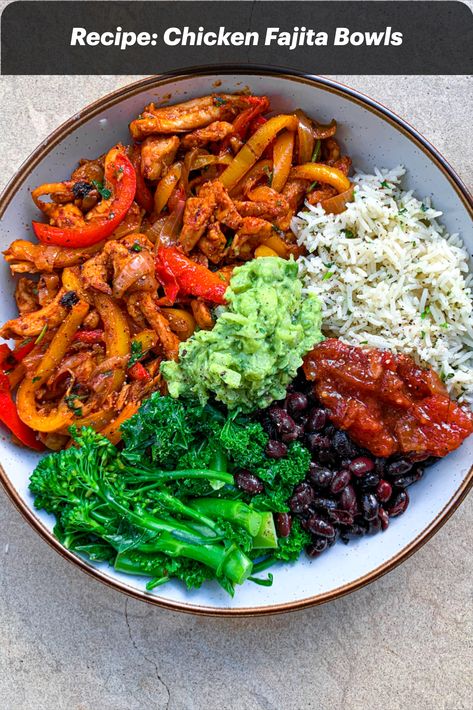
(156,82)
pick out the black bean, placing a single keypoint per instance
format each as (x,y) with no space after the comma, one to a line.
(315,442)
(316,420)
(283,524)
(361,466)
(324,503)
(371,480)
(356,530)
(343,446)
(248,482)
(327,457)
(281,419)
(302,497)
(275,449)
(348,500)
(379,466)
(340,480)
(317,546)
(398,505)
(317,526)
(296,403)
(320,475)
(384,491)
(374,526)
(405,481)
(341,516)
(384,518)
(369,506)
(293,435)
(398,468)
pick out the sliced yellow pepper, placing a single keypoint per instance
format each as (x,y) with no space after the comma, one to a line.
(165,187)
(62,417)
(263,250)
(116,333)
(181,322)
(282,159)
(72,281)
(254,147)
(147,339)
(322,173)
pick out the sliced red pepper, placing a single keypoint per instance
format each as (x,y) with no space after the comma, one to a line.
(139,373)
(143,194)
(180,275)
(9,417)
(241,124)
(120,179)
(89,336)
(23,349)
(5,353)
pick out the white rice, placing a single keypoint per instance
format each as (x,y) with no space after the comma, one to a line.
(389,276)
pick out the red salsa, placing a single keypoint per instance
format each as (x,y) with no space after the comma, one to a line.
(386,402)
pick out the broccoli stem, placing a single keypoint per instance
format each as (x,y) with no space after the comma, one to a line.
(160,475)
(231,563)
(177,506)
(232,510)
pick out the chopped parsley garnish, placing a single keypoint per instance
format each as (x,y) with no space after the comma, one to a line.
(363,342)
(36,378)
(423,207)
(403,210)
(219,101)
(103,191)
(425,313)
(136,352)
(327,275)
(422,333)
(348,233)
(42,334)
(269,173)
(312,186)
(136,247)
(277,230)
(385,183)
(316,152)
(70,400)
(444,325)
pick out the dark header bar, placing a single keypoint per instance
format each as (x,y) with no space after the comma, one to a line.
(357,37)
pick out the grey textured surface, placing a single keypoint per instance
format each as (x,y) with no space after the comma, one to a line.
(69,643)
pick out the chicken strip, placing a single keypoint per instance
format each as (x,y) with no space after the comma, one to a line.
(26,257)
(31,324)
(169,340)
(187,116)
(216,131)
(157,154)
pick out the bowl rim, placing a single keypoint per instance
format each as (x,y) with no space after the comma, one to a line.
(159,81)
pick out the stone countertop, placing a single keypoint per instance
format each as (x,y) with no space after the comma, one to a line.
(67,642)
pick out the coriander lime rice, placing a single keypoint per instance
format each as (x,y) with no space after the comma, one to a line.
(389,276)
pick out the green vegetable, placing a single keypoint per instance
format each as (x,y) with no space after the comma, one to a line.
(103,191)
(136,352)
(147,511)
(256,346)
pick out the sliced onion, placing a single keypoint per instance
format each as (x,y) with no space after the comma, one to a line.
(305,137)
(322,132)
(338,203)
(171,227)
(135,268)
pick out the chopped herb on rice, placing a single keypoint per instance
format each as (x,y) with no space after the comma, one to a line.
(399,283)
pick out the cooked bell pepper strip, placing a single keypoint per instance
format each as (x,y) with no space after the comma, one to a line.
(9,417)
(112,431)
(23,349)
(139,373)
(25,399)
(282,159)
(117,334)
(89,336)
(5,354)
(165,187)
(71,280)
(255,146)
(322,173)
(241,124)
(120,179)
(143,194)
(178,274)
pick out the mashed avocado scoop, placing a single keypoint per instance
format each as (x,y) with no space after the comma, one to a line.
(257,343)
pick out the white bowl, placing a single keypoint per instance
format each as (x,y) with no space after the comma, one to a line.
(373,136)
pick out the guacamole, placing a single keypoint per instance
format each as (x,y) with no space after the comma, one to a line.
(257,343)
